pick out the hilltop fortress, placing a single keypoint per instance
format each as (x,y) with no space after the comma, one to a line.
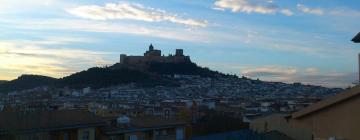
(154,56)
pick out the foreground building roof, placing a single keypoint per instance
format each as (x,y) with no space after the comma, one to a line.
(145,123)
(25,122)
(244,134)
(329,102)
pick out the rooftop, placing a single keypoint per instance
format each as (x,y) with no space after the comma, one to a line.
(146,123)
(338,98)
(244,134)
(46,121)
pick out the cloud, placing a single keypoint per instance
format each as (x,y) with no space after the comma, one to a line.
(287,74)
(342,19)
(247,6)
(308,10)
(198,35)
(14,4)
(272,39)
(293,47)
(286,12)
(310,75)
(17,57)
(268,71)
(113,11)
(312,71)
(24,6)
(345,12)
(330,79)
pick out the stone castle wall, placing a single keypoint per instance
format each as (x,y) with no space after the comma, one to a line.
(149,59)
(153,55)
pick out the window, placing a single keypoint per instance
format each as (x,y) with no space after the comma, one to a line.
(86,135)
(34,137)
(66,136)
(266,127)
(112,138)
(132,137)
(179,133)
(163,132)
(157,133)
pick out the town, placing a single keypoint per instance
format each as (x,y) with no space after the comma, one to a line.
(129,111)
(179,70)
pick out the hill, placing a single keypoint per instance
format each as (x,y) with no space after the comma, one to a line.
(103,77)
(2,81)
(26,82)
(184,68)
(170,68)
(150,75)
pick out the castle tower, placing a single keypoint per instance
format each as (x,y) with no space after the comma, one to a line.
(179,52)
(122,58)
(151,47)
(152,51)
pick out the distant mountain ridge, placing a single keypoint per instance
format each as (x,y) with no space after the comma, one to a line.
(27,82)
(3,81)
(148,75)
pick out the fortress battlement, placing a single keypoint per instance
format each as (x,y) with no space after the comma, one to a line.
(154,56)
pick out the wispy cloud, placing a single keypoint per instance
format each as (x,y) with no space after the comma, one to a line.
(247,6)
(14,4)
(199,35)
(308,10)
(287,74)
(24,6)
(287,12)
(345,12)
(36,57)
(287,40)
(269,71)
(309,75)
(133,11)
(328,79)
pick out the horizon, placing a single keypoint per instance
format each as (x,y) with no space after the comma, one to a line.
(239,76)
(280,41)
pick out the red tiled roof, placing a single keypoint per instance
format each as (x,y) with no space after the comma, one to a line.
(330,101)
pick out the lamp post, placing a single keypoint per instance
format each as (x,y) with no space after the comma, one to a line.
(356,39)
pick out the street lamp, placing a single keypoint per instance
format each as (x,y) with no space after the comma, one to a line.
(356,39)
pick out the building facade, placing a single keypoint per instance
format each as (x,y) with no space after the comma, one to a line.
(280,123)
(52,125)
(335,118)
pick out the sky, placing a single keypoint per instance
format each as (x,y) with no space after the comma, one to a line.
(304,41)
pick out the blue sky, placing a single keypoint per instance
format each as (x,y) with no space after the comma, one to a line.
(274,40)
